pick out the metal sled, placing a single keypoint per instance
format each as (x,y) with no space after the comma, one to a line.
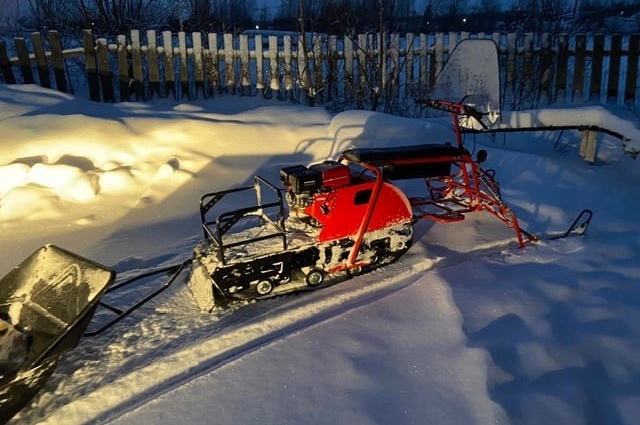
(51,296)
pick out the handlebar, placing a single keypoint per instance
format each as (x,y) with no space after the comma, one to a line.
(455,108)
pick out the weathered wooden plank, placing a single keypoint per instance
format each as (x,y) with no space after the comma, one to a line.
(631,83)
(332,68)
(615,53)
(198,64)
(245,78)
(424,57)
(274,78)
(259,64)
(546,62)
(23,60)
(382,54)
(317,58)
(102,55)
(5,65)
(304,76)
(152,63)
(409,64)
(91,65)
(597,65)
(589,145)
(41,60)
(348,64)
(213,65)
(288,69)
(169,69)
(394,57)
(562,66)
(184,65)
(58,62)
(510,72)
(136,63)
(124,69)
(437,59)
(528,66)
(229,59)
(579,66)
(363,48)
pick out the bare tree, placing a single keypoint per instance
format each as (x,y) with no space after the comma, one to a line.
(110,16)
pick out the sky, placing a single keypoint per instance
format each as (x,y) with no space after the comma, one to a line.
(464,328)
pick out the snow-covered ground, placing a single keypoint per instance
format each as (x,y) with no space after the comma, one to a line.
(452,333)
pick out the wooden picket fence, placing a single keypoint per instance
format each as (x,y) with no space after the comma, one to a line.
(344,71)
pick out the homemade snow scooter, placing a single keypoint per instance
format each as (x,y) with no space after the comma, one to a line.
(329,220)
(342,217)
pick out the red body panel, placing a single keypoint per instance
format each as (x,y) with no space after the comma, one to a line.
(341,212)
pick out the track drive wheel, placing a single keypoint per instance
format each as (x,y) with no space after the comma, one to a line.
(264,287)
(355,271)
(315,277)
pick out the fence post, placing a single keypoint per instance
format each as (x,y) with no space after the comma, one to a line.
(257,40)
(152,63)
(23,60)
(124,75)
(229,71)
(511,63)
(288,69)
(632,69)
(546,61)
(57,59)
(184,70)
(596,65)
(213,68)
(527,83)
(5,65)
(102,54)
(579,66)
(589,145)
(437,59)
(41,59)
(348,66)
(614,66)
(274,78)
(424,57)
(136,61)
(363,49)
(245,79)
(318,80)
(169,71)
(198,64)
(304,77)
(394,56)
(563,61)
(409,88)
(91,65)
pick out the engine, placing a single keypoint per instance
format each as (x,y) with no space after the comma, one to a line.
(303,183)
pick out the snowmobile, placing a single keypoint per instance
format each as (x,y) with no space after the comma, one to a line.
(343,216)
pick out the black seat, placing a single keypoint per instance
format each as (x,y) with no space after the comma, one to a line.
(383,156)
(408,162)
